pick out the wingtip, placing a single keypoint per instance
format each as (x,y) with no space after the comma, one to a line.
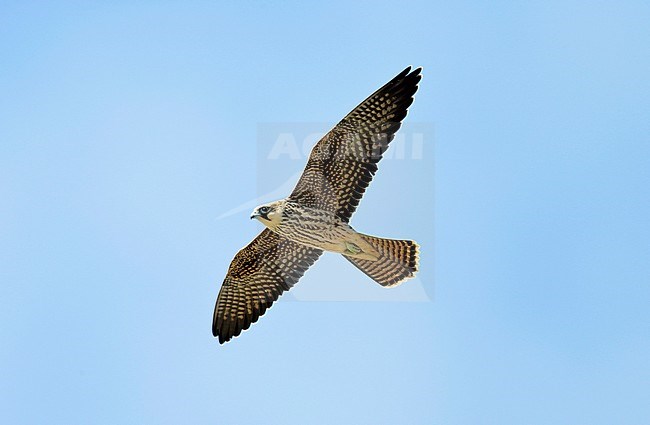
(222,338)
(410,70)
(417,72)
(219,333)
(412,76)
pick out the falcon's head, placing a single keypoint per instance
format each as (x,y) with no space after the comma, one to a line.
(268,214)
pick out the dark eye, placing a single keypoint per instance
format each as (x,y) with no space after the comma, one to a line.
(264,210)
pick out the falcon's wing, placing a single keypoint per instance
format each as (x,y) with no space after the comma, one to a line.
(343,162)
(258,274)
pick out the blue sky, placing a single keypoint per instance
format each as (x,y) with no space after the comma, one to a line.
(127,130)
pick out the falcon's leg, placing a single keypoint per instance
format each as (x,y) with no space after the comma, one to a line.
(352,248)
(355,246)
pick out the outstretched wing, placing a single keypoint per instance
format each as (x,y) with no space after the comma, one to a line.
(343,162)
(258,274)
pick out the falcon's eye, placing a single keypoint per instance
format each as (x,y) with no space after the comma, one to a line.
(264,210)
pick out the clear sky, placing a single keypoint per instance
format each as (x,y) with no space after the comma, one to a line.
(132,132)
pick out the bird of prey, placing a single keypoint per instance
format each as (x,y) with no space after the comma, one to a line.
(315,216)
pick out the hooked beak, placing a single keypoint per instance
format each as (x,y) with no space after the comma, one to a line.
(257,214)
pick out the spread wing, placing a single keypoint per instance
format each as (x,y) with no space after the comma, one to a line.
(258,274)
(343,162)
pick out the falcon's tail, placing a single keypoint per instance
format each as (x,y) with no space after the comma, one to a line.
(398,260)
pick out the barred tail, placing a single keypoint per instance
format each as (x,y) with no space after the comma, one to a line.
(398,260)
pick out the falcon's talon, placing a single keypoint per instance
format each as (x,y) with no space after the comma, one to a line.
(352,248)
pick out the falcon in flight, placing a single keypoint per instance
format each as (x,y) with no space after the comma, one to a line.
(315,216)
